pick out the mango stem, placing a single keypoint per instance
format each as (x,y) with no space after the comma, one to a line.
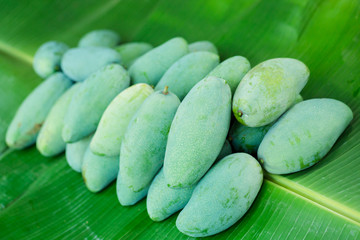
(166,90)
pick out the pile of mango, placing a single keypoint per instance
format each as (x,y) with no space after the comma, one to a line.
(158,121)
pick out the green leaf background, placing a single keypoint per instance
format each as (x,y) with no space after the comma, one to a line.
(43,198)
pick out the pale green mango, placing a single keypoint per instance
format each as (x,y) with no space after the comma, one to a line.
(303,135)
(197,132)
(222,196)
(48,57)
(232,70)
(143,147)
(203,46)
(188,71)
(79,63)
(100,38)
(268,90)
(151,66)
(75,152)
(31,114)
(50,142)
(126,196)
(91,100)
(115,120)
(99,171)
(129,52)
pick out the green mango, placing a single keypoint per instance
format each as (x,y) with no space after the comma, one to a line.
(100,38)
(151,66)
(31,114)
(303,135)
(50,142)
(91,99)
(188,71)
(79,63)
(203,46)
(75,152)
(232,70)
(99,171)
(129,52)
(126,196)
(48,57)
(222,196)
(268,90)
(197,132)
(115,120)
(143,147)
(225,150)
(3,127)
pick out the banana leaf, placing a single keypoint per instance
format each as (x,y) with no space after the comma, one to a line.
(42,198)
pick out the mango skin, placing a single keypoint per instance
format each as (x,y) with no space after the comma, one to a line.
(151,66)
(222,197)
(90,101)
(303,135)
(30,116)
(203,46)
(125,195)
(143,147)
(99,171)
(100,38)
(129,52)
(197,132)
(116,118)
(79,63)
(48,57)
(3,127)
(50,142)
(75,152)
(232,70)
(185,73)
(225,150)
(268,90)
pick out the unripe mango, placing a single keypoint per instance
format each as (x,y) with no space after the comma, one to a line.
(188,71)
(129,52)
(126,196)
(79,63)
(100,38)
(197,132)
(203,46)
(303,135)
(232,70)
(268,90)
(75,152)
(48,57)
(90,101)
(222,196)
(143,147)
(225,150)
(50,142)
(151,66)
(115,120)
(31,114)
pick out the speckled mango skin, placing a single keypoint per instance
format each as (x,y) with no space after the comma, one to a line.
(100,38)
(116,118)
(50,142)
(232,70)
(75,152)
(30,116)
(197,132)
(185,73)
(143,147)
(268,90)
(90,101)
(48,57)
(129,52)
(99,171)
(126,196)
(222,197)
(151,66)
(203,46)
(79,63)
(303,135)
